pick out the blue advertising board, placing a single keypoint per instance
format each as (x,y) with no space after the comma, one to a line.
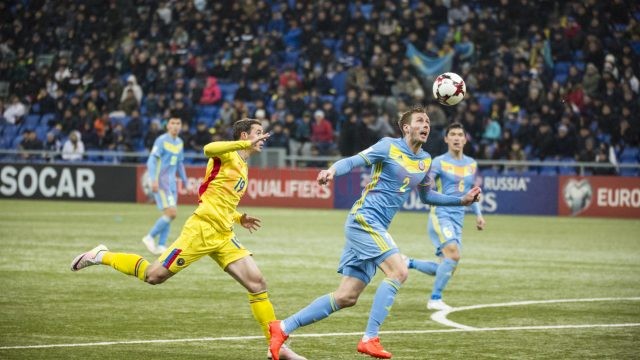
(502,194)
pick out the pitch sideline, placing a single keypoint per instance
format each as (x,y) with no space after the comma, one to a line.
(439,316)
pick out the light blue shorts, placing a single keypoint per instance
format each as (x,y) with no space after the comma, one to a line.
(367,246)
(166,198)
(443,231)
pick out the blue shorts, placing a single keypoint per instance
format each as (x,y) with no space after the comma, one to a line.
(367,246)
(166,198)
(443,231)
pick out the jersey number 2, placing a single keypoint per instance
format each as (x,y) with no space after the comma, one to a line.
(405,183)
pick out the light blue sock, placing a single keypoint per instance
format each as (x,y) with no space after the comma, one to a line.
(443,274)
(427,267)
(319,309)
(382,302)
(164,234)
(159,225)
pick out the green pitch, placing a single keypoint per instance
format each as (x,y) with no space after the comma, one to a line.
(202,313)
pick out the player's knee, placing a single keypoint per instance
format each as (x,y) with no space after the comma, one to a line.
(171,213)
(154,277)
(257,285)
(401,275)
(345,300)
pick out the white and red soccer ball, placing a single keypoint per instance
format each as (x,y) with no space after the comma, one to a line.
(449,89)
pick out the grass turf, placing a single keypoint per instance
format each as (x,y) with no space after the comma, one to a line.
(516,258)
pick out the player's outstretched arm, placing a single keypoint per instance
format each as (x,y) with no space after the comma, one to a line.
(222,147)
(341,167)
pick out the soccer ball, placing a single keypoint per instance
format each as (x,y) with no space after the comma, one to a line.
(449,89)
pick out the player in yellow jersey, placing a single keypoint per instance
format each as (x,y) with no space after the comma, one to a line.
(209,231)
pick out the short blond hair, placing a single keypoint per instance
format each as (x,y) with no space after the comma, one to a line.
(405,117)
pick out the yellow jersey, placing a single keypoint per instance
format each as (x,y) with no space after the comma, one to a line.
(223,185)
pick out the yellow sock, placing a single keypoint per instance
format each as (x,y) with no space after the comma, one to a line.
(262,310)
(130,264)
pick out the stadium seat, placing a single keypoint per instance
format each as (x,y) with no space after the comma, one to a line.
(10,130)
(366,10)
(292,38)
(441,33)
(568,169)
(339,82)
(329,43)
(629,172)
(46,118)
(548,170)
(629,155)
(41,132)
(485,103)
(228,90)
(31,121)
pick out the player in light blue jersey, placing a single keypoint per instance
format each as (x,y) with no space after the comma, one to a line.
(398,166)
(453,174)
(166,158)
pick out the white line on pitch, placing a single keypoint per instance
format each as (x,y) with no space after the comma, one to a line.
(393,332)
(441,316)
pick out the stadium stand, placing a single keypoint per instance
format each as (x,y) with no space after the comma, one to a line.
(333,48)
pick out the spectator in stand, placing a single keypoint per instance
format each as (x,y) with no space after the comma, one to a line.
(132,84)
(30,142)
(565,143)
(130,103)
(278,138)
(135,130)
(14,112)
(321,133)
(211,93)
(544,146)
(201,138)
(52,146)
(73,148)
(153,132)
(300,141)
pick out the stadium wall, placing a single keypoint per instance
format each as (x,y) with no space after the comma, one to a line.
(598,196)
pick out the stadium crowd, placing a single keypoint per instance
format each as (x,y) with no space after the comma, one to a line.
(545,79)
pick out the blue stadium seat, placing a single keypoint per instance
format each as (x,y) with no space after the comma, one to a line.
(228,90)
(629,155)
(568,169)
(329,43)
(41,132)
(292,38)
(31,121)
(485,103)
(339,82)
(10,130)
(46,118)
(441,33)
(561,68)
(548,170)
(366,10)
(629,172)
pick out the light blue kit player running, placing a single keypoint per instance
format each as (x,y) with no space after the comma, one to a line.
(166,157)
(453,174)
(398,167)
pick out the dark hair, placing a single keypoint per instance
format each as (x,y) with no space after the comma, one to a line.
(243,125)
(405,118)
(455,125)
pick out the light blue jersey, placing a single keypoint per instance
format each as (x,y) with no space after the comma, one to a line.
(395,172)
(450,177)
(166,158)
